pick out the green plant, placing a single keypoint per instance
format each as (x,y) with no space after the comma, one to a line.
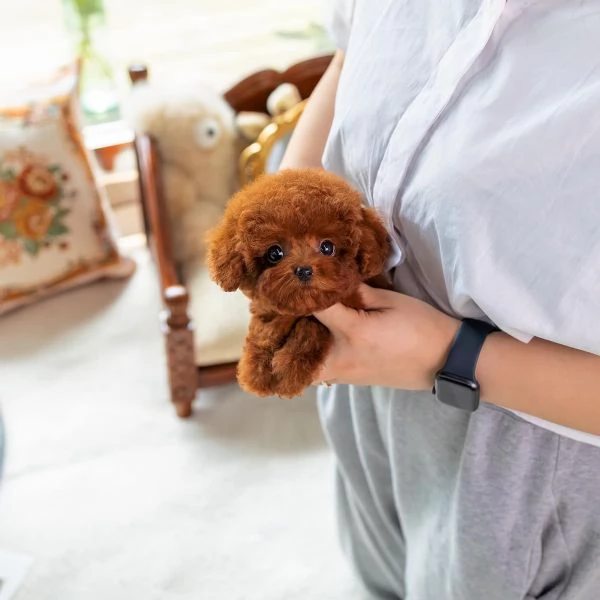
(313,31)
(86,26)
(83,17)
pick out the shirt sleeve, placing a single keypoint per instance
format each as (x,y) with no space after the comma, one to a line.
(338,21)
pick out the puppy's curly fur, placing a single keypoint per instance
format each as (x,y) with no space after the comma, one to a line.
(295,242)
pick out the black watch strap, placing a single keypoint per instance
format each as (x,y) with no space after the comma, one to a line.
(463,355)
(455,383)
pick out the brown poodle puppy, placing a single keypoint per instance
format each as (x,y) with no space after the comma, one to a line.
(295,242)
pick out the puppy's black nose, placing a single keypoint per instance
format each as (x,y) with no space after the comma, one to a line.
(304,273)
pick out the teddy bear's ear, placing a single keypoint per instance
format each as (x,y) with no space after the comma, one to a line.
(374,244)
(226,264)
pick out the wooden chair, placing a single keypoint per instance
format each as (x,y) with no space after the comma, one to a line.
(186,373)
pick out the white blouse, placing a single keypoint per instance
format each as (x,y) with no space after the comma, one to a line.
(474,127)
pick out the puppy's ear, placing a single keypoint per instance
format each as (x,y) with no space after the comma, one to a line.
(374,244)
(225,261)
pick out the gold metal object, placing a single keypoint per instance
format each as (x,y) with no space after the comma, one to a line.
(254,158)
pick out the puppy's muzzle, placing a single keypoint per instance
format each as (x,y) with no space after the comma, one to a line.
(304,274)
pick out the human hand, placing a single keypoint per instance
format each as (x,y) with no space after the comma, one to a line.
(397,341)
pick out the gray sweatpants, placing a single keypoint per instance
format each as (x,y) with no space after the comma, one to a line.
(438,504)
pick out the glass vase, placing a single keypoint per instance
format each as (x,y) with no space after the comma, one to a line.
(85,22)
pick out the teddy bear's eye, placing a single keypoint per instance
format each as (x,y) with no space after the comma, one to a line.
(327,248)
(274,254)
(207,132)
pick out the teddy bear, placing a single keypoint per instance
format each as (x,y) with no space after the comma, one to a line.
(199,139)
(294,242)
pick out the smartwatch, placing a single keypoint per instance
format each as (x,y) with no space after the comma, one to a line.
(455,382)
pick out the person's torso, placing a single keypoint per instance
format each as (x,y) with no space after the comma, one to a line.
(474,127)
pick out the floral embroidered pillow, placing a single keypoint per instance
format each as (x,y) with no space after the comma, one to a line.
(54,221)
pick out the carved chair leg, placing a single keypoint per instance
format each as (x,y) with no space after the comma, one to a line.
(179,346)
(181,369)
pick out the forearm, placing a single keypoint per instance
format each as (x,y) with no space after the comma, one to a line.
(543,379)
(308,140)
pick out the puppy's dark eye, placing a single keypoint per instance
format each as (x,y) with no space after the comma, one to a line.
(327,248)
(274,254)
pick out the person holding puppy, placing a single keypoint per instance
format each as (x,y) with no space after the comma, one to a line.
(473,127)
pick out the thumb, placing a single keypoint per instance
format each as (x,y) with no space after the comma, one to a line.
(337,317)
(341,318)
(375,298)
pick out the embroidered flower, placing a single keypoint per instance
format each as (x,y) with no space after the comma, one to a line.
(38,181)
(32,219)
(34,204)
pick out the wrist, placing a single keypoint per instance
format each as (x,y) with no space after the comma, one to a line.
(446,329)
(456,383)
(486,371)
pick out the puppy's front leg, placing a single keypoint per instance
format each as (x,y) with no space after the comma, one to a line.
(255,369)
(297,362)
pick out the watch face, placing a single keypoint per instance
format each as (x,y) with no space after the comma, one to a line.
(457,391)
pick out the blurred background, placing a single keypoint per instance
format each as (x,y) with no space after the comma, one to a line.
(134,466)
(221,40)
(218,41)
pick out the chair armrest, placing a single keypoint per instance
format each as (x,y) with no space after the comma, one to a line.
(156,221)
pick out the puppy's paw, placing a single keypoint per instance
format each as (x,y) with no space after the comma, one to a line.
(292,384)
(297,363)
(255,374)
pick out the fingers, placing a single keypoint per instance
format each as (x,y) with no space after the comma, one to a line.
(340,317)
(375,298)
(336,317)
